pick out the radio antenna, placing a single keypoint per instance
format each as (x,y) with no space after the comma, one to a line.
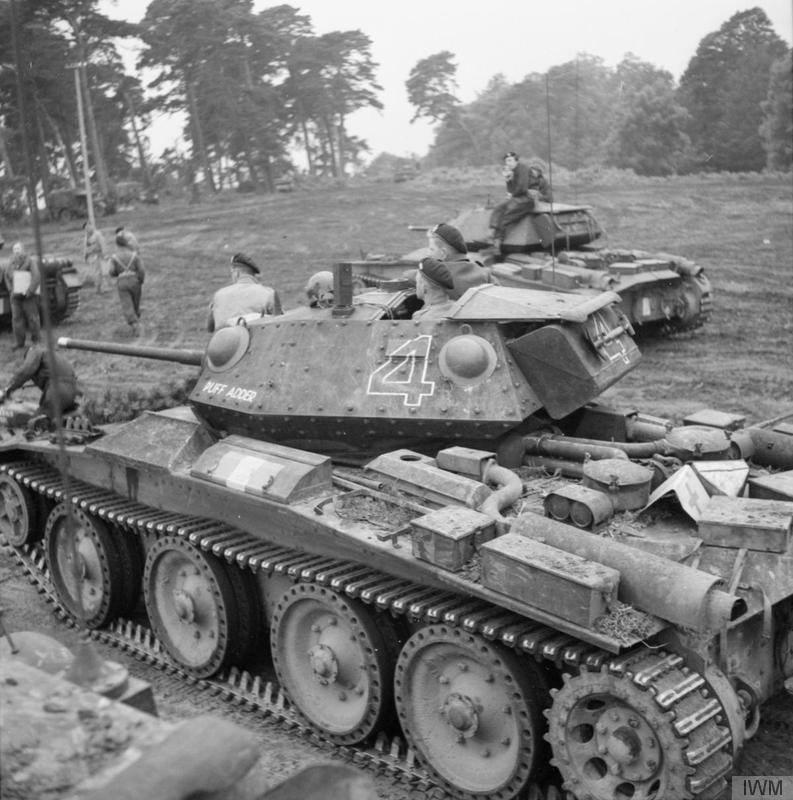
(550,172)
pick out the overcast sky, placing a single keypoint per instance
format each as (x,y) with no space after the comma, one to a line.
(512,37)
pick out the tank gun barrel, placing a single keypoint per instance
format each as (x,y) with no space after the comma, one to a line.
(191,357)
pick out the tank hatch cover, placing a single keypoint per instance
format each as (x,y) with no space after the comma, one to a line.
(507,304)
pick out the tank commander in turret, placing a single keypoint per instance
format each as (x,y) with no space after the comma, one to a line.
(446,244)
(434,285)
(525,185)
(58,386)
(244,298)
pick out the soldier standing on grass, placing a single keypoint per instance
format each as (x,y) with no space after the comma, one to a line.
(244,298)
(94,254)
(127,265)
(23,279)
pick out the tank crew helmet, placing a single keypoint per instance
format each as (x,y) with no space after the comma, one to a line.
(437,272)
(451,236)
(319,289)
(243,261)
(510,154)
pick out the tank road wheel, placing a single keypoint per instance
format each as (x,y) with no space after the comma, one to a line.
(335,658)
(18,517)
(96,571)
(612,740)
(194,607)
(472,710)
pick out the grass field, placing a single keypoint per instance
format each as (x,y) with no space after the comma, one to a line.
(739,227)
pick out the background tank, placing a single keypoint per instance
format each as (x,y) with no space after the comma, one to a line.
(496,578)
(60,284)
(72,203)
(558,247)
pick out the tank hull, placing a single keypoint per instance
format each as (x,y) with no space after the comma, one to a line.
(276,518)
(466,592)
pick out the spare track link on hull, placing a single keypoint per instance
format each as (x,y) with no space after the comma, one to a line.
(707,764)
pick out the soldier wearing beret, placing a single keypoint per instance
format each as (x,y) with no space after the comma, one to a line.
(434,285)
(244,298)
(446,244)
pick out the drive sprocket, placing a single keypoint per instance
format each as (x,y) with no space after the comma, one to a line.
(614,737)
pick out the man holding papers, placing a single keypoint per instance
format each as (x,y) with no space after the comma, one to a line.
(23,280)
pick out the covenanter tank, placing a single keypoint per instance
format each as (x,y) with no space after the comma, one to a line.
(434,528)
(557,247)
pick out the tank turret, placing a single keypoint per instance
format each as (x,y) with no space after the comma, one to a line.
(363,377)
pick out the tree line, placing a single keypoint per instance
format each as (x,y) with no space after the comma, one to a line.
(256,88)
(251,87)
(731,111)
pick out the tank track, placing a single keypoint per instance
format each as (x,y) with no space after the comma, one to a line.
(72,303)
(72,300)
(658,673)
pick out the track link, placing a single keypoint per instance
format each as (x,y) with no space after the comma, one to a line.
(390,756)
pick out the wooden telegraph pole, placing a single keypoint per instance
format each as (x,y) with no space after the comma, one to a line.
(83,144)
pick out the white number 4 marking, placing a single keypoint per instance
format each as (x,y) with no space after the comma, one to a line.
(405,372)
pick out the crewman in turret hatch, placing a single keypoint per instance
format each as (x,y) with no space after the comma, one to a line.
(319,289)
(447,244)
(244,298)
(434,285)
